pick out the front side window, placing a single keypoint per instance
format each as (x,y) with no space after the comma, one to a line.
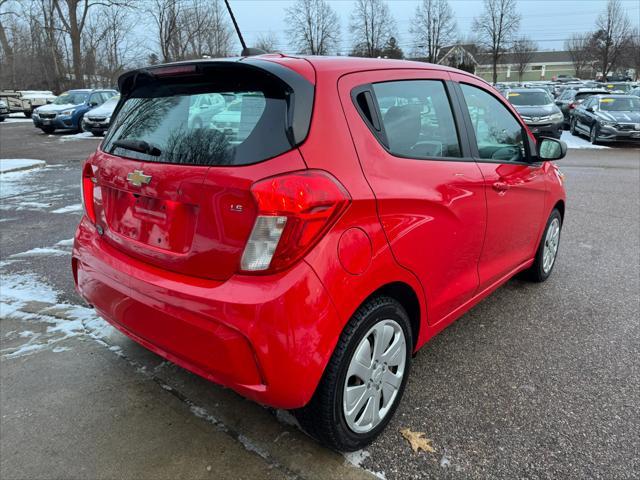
(417,118)
(499,135)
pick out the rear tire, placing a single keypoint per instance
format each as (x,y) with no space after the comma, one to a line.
(549,244)
(327,417)
(572,128)
(28,114)
(48,130)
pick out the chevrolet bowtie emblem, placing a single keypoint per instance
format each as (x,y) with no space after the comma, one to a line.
(137,178)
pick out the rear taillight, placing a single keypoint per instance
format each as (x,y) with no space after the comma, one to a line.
(294,210)
(572,105)
(86,188)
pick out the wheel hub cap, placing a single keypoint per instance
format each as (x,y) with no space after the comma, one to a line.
(374,376)
(551,241)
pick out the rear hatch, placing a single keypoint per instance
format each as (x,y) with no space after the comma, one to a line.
(171,182)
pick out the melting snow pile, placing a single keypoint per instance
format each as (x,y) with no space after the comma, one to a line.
(26,298)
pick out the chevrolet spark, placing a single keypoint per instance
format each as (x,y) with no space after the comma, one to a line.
(305,241)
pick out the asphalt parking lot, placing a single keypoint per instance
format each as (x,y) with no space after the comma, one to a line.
(538,381)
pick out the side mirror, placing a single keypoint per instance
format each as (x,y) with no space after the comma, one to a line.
(93,104)
(551,149)
(589,109)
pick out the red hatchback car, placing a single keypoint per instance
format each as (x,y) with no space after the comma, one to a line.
(305,241)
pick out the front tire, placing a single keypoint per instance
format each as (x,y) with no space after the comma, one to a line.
(593,135)
(547,250)
(572,128)
(48,130)
(364,381)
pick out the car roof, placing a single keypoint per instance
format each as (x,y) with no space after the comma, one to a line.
(615,96)
(532,89)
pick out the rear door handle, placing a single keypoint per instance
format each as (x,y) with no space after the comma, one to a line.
(501,187)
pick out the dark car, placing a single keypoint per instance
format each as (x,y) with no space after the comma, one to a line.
(4,110)
(66,112)
(538,111)
(570,99)
(608,118)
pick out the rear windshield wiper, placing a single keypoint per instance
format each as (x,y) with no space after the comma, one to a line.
(138,146)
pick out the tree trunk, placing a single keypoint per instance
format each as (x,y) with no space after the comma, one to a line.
(495,68)
(8,50)
(76,52)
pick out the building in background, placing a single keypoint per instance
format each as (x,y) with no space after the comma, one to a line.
(543,66)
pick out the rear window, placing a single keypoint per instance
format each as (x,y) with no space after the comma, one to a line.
(529,98)
(215,121)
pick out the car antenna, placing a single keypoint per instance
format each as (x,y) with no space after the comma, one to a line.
(246,52)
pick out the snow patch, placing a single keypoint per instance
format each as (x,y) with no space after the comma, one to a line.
(79,136)
(15,164)
(19,291)
(65,243)
(16,183)
(69,208)
(577,142)
(40,252)
(358,457)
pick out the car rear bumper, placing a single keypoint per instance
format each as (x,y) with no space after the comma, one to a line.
(266,337)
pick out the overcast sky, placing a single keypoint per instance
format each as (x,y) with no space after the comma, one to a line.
(548,22)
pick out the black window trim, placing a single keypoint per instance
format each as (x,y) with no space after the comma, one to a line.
(529,145)
(381,136)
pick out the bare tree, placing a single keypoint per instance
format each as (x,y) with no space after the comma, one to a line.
(371,27)
(496,27)
(267,42)
(523,52)
(579,47)
(314,27)
(73,15)
(433,27)
(165,14)
(613,31)
(8,8)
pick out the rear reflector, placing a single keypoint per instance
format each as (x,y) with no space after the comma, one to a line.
(294,211)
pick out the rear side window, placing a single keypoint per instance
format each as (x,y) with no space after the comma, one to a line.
(499,135)
(228,121)
(417,119)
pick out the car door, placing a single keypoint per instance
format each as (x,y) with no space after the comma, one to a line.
(515,188)
(429,191)
(584,118)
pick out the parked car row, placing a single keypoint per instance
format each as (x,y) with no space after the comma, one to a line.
(25,101)
(68,110)
(548,117)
